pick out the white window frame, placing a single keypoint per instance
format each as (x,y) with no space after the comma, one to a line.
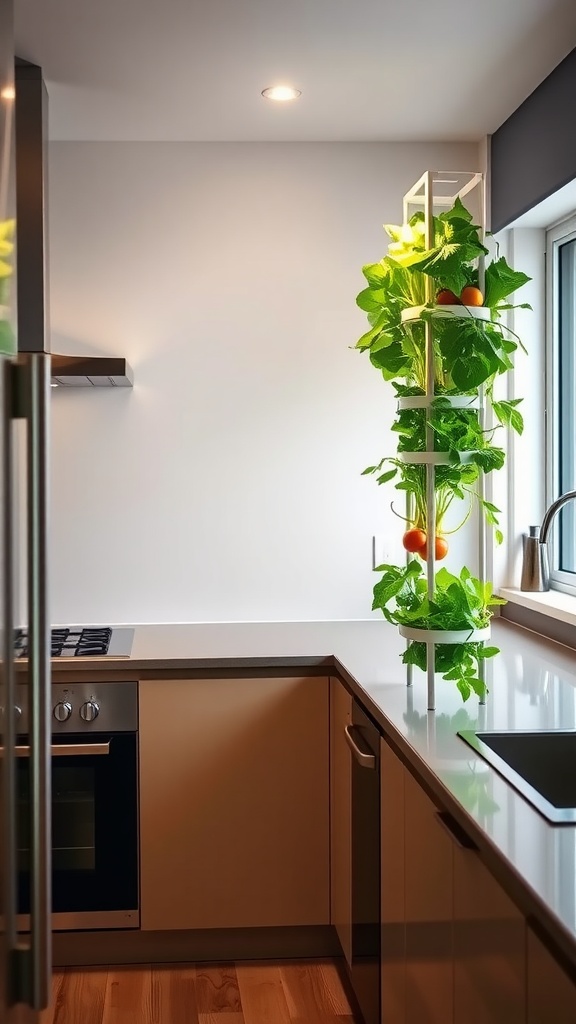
(560,233)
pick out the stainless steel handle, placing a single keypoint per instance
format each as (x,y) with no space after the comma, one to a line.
(67,750)
(10,868)
(37,384)
(456,833)
(365,758)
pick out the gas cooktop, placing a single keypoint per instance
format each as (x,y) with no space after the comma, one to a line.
(82,642)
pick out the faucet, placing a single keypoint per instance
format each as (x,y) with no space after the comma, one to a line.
(535,564)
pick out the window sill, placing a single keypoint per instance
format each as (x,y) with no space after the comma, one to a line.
(553,603)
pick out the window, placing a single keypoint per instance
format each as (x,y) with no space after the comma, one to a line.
(561,397)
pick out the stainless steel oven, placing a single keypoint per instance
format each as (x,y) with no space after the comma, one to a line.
(94,757)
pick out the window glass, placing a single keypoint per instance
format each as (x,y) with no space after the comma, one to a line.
(561,400)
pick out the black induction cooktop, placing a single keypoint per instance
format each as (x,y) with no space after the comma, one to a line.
(82,642)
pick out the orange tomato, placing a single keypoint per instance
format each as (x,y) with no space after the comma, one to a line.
(440,549)
(471,296)
(414,539)
(447,298)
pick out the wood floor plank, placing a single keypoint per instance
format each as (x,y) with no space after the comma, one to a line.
(49,1016)
(173,995)
(335,994)
(81,997)
(262,994)
(217,989)
(220,1018)
(128,996)
(306,993)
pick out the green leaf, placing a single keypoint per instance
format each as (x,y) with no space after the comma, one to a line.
(366,340)
(507,414)
(464,688)
(388,475)
(391,360)
(375,274)
(366,301)
(487,652)
(501,281)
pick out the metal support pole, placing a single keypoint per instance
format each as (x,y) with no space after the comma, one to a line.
(482,554)
(409,556)
(430,468)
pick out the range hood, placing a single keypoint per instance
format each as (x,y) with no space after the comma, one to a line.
(31,254)
(90,371)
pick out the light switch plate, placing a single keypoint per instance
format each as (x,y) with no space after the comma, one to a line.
(381,550)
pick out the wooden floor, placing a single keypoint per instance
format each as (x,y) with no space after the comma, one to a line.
(242,993)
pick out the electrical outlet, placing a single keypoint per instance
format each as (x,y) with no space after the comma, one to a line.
(380,550)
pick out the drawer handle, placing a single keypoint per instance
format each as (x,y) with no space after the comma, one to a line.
(67,750)
(455,831)
(365,758)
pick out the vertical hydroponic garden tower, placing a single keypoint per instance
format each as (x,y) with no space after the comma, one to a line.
(437,307)
(432,195)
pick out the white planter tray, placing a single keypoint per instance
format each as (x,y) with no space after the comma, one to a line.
(432,458)
(427,401)
(475,312)
(445,636)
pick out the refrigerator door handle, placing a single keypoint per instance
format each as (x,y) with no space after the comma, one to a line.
(39,679)
(30,401)
(9,723)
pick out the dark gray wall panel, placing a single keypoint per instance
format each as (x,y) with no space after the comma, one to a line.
(534,152)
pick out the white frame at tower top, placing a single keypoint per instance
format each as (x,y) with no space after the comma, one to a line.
(465,181)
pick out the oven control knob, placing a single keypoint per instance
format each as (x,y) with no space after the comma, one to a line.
(89,711)
(62,711)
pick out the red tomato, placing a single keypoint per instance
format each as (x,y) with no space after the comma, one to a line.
(471,296)
(440,549)
(447,298)
(414,539)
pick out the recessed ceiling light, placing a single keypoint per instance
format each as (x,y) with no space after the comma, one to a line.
(282,93)
(8,93)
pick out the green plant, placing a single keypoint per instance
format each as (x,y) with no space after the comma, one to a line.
(460,603)
(469,448)
(7,339)
(468,352)
(470,349)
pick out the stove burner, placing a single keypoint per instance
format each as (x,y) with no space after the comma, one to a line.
(68,643)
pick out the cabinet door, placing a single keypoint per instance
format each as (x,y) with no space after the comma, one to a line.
(428,887)
(341,817)
(392,915)
(234,803)
(489,946)
(551,993)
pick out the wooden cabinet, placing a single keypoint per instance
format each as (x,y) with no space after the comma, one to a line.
(340,817)
(453,943)
(428,910)
(551,994)
(234,803)
(489,946)
(392,883)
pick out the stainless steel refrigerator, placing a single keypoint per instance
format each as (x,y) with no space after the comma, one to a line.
(25,959)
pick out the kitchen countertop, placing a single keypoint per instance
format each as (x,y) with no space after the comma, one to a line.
(532,685)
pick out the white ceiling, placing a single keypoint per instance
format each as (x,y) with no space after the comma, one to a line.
(369,70)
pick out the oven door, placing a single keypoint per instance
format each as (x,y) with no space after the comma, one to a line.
(94,832)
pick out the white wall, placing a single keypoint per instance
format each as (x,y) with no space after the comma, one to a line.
(226,485)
